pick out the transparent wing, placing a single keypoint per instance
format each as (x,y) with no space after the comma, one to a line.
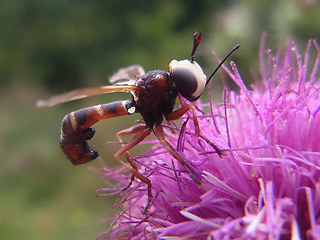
(127,76)
(82,93)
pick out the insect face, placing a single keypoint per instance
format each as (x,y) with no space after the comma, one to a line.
(188,77)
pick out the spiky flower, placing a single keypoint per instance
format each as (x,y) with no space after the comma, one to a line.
(267,186)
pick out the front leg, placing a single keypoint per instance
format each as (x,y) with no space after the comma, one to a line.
(180,112)
(75,129)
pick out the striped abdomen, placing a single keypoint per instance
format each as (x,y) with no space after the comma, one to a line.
(76,129)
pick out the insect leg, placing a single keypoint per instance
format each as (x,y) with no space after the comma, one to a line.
(141,134)
(132,130)
(180,112)
(76,129)
(158,131)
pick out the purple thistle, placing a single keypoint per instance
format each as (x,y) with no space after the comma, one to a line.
(268,184)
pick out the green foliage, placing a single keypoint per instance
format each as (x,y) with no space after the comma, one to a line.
(61,44)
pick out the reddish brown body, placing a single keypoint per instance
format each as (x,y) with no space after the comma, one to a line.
(153,97)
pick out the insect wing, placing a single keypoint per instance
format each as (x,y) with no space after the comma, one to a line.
(82,93)
(127,76)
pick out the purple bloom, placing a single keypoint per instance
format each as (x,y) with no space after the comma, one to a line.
(267,186)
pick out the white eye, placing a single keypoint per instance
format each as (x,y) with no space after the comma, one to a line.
(188,78)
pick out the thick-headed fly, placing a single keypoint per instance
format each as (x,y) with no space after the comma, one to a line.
(153,95)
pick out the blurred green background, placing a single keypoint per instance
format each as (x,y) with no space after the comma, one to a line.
(51,46)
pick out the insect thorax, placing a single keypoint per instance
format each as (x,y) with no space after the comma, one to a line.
(155,96)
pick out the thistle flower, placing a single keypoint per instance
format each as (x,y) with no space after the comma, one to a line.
(267,186)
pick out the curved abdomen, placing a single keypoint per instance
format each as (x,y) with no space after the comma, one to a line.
(76,129)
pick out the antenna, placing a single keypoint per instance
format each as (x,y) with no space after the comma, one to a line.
(196,41)
(225,58)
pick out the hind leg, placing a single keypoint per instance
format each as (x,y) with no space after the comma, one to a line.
(132,130)
(141,133)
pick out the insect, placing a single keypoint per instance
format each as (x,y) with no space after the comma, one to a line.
(153,95)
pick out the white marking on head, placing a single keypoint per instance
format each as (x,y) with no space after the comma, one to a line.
(197,79)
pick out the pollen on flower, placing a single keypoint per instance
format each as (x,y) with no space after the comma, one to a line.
(267,186)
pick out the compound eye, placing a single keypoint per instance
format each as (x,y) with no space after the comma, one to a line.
(188,78)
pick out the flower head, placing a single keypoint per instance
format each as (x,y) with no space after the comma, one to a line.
(266,186)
